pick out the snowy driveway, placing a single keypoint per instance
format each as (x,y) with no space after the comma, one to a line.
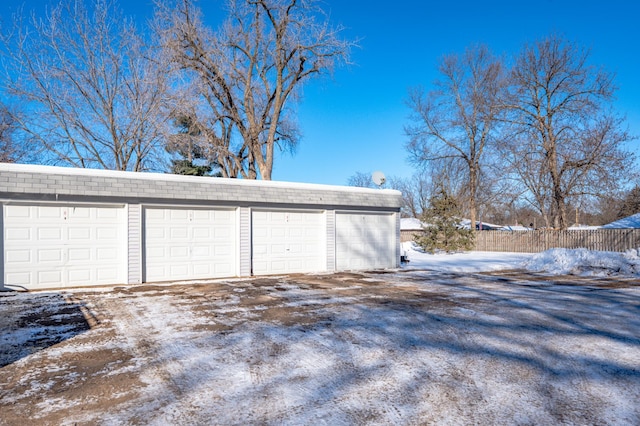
(412,347)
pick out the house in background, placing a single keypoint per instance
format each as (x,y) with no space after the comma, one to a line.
(409,227)
(629,222)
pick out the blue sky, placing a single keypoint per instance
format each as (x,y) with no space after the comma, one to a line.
(353,122)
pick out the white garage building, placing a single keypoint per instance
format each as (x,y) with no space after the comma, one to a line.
(66,227)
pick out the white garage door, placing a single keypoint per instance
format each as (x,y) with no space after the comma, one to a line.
(288,242)
(183,244)
(365,241)
(61,246)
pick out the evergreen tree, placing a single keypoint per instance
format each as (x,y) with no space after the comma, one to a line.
(186,167)
(630,204)
(189,144)
(443,230)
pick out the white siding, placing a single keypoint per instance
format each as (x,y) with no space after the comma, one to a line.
(245,241)
(134,244)
(331,240)
(397,242)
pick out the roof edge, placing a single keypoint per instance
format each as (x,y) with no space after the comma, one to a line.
(58,170)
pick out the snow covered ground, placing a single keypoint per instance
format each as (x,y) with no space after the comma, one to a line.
(474,261)
(435,342)
(580,262)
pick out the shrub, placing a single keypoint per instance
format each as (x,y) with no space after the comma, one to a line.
(443,230)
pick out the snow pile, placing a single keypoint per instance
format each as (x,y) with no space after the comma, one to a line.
(585,262)
(554,261)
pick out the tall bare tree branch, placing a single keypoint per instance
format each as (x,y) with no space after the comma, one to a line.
(250,71)
(565,144)
(460,118)
(92,93)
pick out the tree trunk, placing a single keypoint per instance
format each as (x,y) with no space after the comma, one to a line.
(473,183)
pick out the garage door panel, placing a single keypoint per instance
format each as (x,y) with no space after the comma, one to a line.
(202,234)
(179,252)
(23,212)
(185,244)
(18,278)
(258,250)
(222,251)
(155,252)
(279,232)
(155,233)
(78,276)
(202,269)
(177,233)
(51,255)
(107,214)
(17,234)
(57,246)
(223,269)
(296,264)
(154,214)
(278,267)
(106,254)
(154,271)
(178,214)
(222,233)
(106,274)
(224,216)
(106,234)
(83,233)
(201,252)
(299,249)
(49,279)
(277,250)
(45,212)
(178,271)
(80,255)
(19,256)
(54,234)
(84,214)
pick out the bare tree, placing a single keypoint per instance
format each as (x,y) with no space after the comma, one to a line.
(460,118)
(361,180)
(416,192)
(249,72)
(93,95)
(566,144)
(525,167)
(10,150)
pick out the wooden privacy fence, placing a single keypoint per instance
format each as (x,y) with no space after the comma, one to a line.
(536,241)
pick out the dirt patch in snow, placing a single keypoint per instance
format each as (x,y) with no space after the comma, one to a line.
(348,348)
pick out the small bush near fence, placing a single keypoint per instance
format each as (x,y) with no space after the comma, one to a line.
(536,241)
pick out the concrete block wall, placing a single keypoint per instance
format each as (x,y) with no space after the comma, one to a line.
(66,184)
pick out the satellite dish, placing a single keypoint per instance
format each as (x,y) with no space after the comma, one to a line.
(378,178)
